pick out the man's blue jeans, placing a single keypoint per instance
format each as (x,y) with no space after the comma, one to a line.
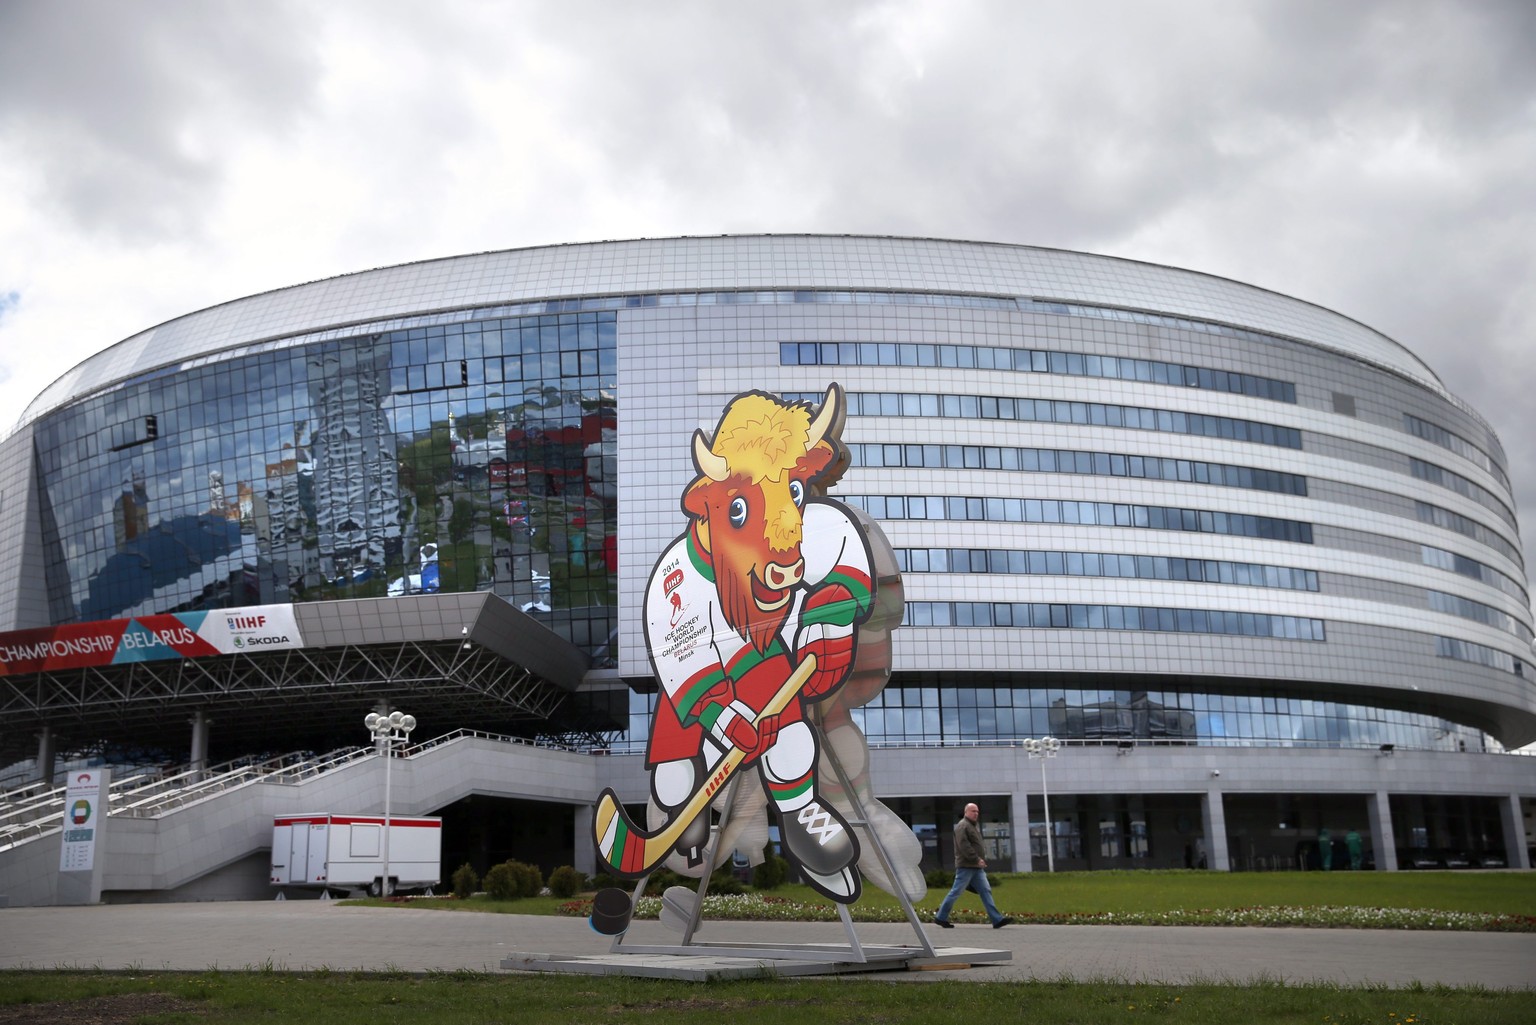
(970,878)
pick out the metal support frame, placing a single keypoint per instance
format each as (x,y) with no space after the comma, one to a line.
(854,952)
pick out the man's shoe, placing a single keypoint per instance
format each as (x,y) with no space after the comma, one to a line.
(1005,920)
(942,924)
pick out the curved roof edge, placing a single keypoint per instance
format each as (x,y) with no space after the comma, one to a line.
(725,262)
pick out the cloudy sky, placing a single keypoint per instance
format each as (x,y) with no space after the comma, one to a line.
(1377,158)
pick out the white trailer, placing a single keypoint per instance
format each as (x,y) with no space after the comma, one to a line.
(346,852)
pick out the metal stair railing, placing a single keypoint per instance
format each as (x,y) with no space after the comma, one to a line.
(150,794)
(192,785)
(146,794)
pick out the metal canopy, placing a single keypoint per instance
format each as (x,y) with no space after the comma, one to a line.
(458,661)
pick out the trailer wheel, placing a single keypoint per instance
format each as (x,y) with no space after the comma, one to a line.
(376,888)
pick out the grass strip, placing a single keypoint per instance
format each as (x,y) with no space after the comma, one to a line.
(347,998)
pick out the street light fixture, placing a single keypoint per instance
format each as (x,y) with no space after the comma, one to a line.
(1043,748)
(388,731)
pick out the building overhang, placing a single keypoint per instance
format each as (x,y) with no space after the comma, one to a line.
(455,661)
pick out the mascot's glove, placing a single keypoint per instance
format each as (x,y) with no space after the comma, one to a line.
(826,631)
(733,724)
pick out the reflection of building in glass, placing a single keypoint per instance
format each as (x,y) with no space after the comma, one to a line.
(1134,716)
(132,509)
(357,502)
(285,510)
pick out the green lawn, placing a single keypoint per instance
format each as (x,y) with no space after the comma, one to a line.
(235,998)
(1490,892)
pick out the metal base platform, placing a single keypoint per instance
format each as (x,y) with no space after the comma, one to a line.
(742,961)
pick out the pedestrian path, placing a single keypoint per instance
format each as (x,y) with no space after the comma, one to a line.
(304,935)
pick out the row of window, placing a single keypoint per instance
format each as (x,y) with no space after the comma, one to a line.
(1462,486)
(1442,559)
(1103,564)
(1466,651)
(1099,464)
(494,370)
(1037,361)
(1104,514)
(1448,520)
(1048,615)
(509,337)
(1433,432)
(1486,614)
(939,714)
(506,351)
(1061,411)
(750,297)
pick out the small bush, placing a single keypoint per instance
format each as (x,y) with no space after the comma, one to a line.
(501,882)
(770,875)
(724,881)
(465,881)
(939,879)
(663,878)
(566,882)
(529,879)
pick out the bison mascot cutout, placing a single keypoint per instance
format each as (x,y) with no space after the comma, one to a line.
(754,612)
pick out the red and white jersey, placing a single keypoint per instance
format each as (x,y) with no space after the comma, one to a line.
(693,648)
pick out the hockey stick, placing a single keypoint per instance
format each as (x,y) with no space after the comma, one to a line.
(633,852)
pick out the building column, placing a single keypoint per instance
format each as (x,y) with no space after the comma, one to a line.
(200,723)
(1213,820)
(1018,819)
(586,850)
(46,753)
(1383,841)
(1516,854)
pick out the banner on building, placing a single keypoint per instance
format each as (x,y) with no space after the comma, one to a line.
(150,638)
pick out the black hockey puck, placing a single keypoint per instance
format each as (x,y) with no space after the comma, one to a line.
(611,909)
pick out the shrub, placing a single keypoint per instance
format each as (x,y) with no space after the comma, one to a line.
(566,882)
(724,881)
(663,878)
(770,875)
(529,879)
(464,881)
(501,882)
(939,879)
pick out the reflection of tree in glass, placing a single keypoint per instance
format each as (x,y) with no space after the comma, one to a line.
(462,522)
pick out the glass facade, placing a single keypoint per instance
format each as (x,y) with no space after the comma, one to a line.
(476,456)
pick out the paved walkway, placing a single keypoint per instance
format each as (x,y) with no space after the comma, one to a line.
(298,935)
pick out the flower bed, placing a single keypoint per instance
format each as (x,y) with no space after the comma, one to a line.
(757,908)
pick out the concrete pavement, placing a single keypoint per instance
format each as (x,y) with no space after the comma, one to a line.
(301,935)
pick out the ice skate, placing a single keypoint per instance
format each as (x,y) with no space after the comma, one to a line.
(818,839)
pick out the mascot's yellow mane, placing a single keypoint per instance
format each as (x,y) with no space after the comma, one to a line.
(761,438)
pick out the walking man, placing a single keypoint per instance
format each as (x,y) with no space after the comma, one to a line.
(970,872)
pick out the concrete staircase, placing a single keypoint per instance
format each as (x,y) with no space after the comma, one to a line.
(206,835)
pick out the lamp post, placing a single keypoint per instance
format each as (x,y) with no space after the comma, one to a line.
(1043,748)
(388,730)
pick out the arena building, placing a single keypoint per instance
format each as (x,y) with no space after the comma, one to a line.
(1246,558)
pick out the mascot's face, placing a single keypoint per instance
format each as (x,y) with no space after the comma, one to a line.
(748,505)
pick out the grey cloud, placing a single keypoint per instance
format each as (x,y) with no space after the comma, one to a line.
(1371,156)
(123,109)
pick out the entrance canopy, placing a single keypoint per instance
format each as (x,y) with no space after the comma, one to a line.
(288,677)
